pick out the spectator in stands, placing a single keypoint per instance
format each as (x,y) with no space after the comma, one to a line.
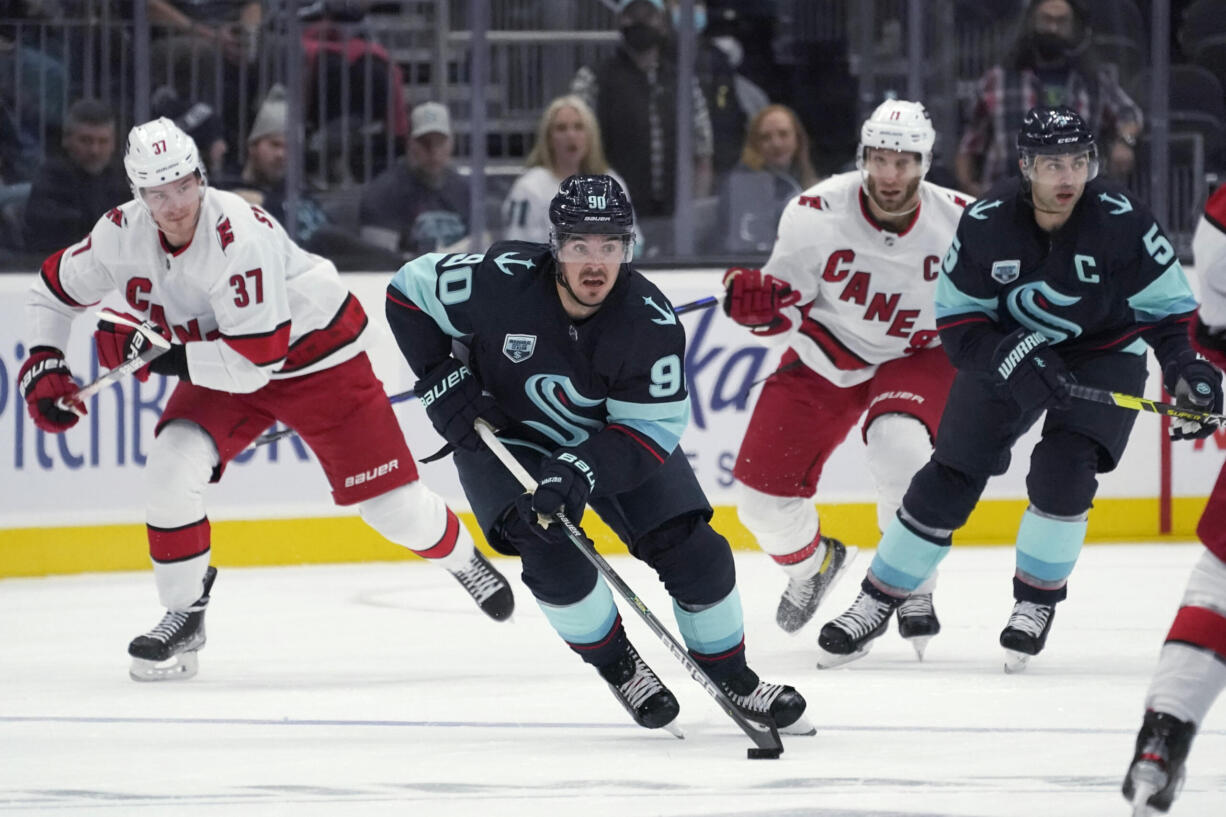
(1051,63)
(200,122)
(421,204)
(69,191)
(262,183)
(775,167)
(567,142)
(195,41)
(732,99)
(634,94)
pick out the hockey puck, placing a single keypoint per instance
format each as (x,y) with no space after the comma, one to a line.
(758,753)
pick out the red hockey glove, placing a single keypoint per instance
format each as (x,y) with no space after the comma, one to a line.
(44,378)
(118,342)
(1209,343)
(758,301)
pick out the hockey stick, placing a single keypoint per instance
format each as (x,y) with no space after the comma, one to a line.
(701,303)
(158,345)
(762,731)
(1128,401)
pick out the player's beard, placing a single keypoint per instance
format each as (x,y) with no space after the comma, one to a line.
(910,197)
(565,281)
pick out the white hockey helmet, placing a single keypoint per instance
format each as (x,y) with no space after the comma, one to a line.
(898,124)
(158,152)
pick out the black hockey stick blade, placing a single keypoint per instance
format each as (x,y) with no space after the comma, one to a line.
(761,730)
(1129,401)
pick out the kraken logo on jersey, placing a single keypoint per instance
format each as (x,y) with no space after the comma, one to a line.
(552,393)
(519,348)
(1028,304)
(1005,272)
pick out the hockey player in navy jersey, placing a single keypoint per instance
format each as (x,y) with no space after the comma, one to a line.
(1053,277)
(263,331)
(578,359)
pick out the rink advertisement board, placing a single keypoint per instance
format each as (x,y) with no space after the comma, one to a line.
(92,476)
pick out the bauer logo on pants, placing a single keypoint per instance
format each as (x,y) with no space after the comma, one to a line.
(519,348)
(1005,272)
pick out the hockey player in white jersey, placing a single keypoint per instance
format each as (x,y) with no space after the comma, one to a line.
(262,331)
(1191,671)
(849,288)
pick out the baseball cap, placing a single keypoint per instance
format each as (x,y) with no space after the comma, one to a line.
(430,117)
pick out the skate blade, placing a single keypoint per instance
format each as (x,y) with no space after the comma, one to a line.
(179,667)
(830,660)
(800,726)
(1016,662)
(673,729)
(920,643)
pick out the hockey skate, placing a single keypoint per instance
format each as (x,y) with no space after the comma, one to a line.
(917,621)
(803,595)
(641,692)
(781,703)
(176,638)
(850,636)
(487,586)
(1157,771)
(1026,633)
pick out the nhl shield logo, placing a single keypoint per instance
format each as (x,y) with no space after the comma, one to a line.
(519,348)
(1005,272)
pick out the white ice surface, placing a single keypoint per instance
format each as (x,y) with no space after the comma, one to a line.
(379,689)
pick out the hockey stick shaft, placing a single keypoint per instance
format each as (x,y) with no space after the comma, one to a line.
(701,303)
(1135,403)
(118,373)
(762,732)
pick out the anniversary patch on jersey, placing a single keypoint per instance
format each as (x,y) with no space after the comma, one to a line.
(1006,271)
(518,348)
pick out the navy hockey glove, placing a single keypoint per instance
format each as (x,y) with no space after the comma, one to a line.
(1036,376)
(43,380)
(1196,385)
(759,302)
(566,482)
(453,401)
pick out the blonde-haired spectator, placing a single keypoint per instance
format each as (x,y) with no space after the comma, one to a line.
(775,166)
(567,142)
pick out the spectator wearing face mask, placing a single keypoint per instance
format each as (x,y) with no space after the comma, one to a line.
(1051,63)
(634,94)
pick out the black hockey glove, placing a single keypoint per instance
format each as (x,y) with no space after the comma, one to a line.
(1035,375)
(453,401)
(565,484)
(1196,385)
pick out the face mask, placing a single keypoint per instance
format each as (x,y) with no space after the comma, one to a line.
(1051,46)
(640,37)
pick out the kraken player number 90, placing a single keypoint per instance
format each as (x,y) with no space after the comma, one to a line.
(455,286)
(665,376)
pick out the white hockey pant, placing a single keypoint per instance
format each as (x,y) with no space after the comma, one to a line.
(1189,679)
(898,446)
(415,517)
(784,527)
(177,471)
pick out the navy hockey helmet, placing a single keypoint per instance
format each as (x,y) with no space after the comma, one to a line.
(1055,131)
(591,205)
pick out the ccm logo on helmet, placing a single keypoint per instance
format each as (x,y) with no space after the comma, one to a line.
(372,474)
